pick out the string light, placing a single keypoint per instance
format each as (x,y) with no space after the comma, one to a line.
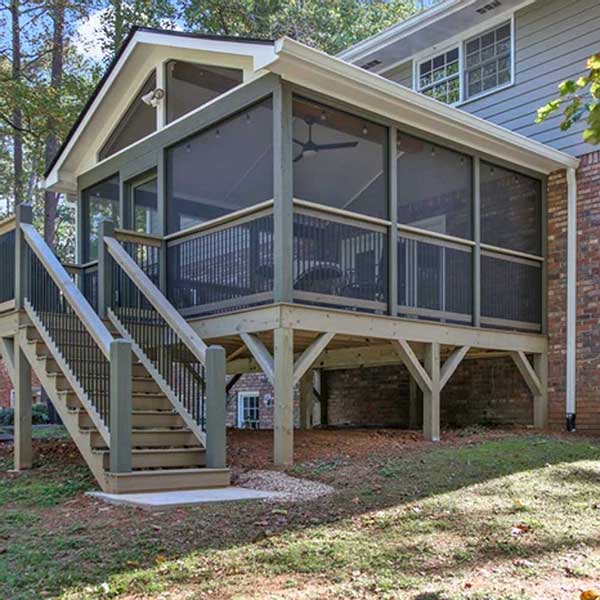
(323,116)
(365,130)
(218,133)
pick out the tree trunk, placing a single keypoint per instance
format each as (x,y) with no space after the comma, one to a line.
(51,198)
(16,115)
(118,29)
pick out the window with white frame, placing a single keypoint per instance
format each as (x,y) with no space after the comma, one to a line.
(477,65)
(248,410)
(488,62)
(439,77)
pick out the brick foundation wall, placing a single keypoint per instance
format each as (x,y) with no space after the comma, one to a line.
(486,391)
(5,387)
(256,382)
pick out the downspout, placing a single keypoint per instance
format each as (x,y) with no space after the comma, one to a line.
(571,296)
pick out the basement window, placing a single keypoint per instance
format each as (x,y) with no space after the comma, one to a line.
(248,413)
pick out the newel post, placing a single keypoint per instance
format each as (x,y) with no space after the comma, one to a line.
(120,406)
(216,409)
(24,214)
(105,284)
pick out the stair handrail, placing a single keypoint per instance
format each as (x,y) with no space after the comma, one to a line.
(69,289)
(157,299)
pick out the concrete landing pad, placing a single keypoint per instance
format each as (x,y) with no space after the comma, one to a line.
(165,500)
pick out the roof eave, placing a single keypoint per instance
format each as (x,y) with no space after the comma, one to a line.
(298,60)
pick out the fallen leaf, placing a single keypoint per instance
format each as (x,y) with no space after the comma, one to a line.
(590,594)
(160,559)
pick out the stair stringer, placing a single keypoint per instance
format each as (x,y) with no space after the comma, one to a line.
(69,418)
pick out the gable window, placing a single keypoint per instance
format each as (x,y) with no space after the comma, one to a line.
(439,77)
(138,121)
(473,67)
(191,85)
(488,61)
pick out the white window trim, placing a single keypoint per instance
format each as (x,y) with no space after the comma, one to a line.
(241,396)
(459,41)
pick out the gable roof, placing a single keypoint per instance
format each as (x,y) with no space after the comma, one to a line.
(134,34)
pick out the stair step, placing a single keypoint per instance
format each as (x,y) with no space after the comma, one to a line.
(152,438)
(161,458)
(162,480)
(141,419)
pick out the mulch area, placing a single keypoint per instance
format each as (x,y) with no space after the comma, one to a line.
(247,450)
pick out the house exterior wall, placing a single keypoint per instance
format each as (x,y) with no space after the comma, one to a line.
(588,295)
(553,39)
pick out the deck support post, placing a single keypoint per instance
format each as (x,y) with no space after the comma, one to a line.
(307,400)
(413,403)
(216,408)
(431,396)
(120,406)
(283,426)
(23,452)
(24,214)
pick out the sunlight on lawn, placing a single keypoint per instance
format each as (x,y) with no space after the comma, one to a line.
(501,519)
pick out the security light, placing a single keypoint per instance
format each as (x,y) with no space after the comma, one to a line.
(154,97)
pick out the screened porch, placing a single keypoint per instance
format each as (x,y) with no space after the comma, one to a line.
(380,219)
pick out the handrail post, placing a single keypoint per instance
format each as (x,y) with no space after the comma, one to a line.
(24,214)
(120,406)
(105,283)
(216,410)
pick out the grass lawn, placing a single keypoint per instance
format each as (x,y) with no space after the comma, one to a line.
(486,516)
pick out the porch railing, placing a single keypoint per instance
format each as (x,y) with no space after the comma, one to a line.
(224,265)
(162,339)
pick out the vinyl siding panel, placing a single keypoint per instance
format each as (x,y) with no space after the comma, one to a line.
(552,42)
(402,74)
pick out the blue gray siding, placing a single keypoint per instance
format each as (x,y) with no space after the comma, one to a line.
(553,40)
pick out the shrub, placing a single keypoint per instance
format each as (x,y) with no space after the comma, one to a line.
(39,415)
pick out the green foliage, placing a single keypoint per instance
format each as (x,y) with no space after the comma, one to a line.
(330,26)
(39,415)
(579,97)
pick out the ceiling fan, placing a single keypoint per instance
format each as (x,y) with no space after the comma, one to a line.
(310,148)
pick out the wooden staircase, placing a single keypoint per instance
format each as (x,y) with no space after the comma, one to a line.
(166,455)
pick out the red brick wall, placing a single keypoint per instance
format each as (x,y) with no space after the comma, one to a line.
(557,297)
(256,382)
(487,391)
(5,387)
(588,295)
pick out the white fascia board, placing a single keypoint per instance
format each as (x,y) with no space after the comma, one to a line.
(319,71)
(261,53)
(396,32)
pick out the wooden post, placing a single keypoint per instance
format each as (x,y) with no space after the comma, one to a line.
(216,409)
(431,397)
(477,240)
(413,403)
(540,401)
(105,284)
(393,218)
(283,430)
(120,406)
(23,453)
(24,215)
(306,400)
(283,207)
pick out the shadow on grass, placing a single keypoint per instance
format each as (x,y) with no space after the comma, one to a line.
(89,546)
